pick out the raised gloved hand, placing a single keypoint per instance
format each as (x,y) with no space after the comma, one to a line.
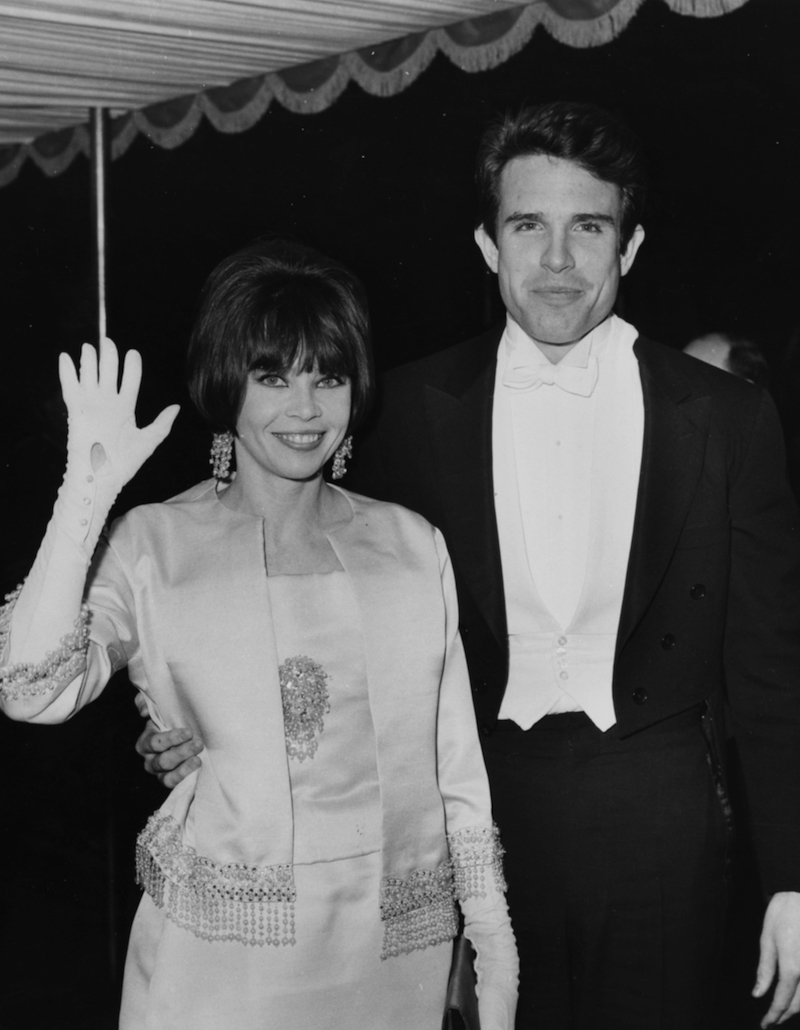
(102,421)
(105,449)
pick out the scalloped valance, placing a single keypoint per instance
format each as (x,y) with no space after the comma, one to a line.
(139,55)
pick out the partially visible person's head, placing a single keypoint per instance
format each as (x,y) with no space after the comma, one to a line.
(734,354)
(274,306)
(561,188)
(590,137)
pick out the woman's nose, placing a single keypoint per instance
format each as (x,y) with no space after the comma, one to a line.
(303,401)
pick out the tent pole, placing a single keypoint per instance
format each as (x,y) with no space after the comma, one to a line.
(98,122)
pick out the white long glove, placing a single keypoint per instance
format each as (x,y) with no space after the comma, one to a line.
(488,928)
(105,449)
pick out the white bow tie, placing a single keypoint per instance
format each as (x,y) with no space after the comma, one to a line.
(568,377)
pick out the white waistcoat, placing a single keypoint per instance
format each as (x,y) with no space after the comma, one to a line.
(566,474)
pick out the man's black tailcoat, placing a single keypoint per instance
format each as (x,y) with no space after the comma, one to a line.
(712,596)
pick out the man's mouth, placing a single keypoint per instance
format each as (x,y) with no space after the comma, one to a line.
(556,294)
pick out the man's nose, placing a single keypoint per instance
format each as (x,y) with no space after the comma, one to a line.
(557,256)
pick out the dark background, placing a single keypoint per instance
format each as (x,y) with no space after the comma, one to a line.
(386,186)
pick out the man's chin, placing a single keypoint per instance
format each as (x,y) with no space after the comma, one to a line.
(559,334)
(551,338)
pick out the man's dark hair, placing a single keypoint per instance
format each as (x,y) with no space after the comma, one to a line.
(591,137)
(747,361)
(274,306)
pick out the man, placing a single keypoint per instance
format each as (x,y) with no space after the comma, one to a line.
(621,536)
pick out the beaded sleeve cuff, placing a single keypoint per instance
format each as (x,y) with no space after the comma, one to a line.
(418,910)
(477,857)
(249,904)
(29,679)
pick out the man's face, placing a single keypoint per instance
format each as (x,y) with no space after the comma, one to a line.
(557,254)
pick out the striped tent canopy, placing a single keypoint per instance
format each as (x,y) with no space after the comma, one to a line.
(161,67)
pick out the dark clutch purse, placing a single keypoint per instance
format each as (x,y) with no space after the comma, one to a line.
(461,1003)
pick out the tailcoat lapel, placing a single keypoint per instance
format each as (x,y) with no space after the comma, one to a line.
(459,414)
(675,434)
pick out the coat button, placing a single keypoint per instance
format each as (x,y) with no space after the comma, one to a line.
(668,641)
(639,695)
(485,730)
(698,591)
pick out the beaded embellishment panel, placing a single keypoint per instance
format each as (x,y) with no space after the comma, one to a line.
(250,904)
(35,679)
(305,704)
(420,910)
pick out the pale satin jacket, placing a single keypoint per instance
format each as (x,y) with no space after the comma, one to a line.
(177,592)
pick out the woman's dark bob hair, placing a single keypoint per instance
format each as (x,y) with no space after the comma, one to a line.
(274,306)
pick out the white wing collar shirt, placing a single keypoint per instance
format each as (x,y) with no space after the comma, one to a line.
(567,451)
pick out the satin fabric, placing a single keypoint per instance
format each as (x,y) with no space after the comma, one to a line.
(179,593)
(333,977)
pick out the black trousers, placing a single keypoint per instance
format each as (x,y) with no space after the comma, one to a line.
(616,855)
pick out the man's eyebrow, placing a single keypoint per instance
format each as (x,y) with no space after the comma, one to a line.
(595,216)
(522,216)
(517,217)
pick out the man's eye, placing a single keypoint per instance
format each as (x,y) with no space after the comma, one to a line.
(590,227)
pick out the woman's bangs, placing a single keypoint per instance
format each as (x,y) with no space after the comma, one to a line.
(304,340)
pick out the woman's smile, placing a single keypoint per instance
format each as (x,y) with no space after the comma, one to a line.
(300,441)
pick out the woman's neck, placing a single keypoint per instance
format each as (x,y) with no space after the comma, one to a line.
(296,518)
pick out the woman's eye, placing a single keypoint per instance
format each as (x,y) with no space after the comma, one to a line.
(269,379)
(330,381)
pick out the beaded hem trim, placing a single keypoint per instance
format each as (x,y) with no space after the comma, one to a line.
(34,679)
(305,703)
(418,910)
(477,857)
(250,904)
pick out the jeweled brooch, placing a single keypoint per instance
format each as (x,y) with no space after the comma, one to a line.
(305,704)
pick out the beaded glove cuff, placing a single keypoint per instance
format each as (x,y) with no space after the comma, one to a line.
(477,857)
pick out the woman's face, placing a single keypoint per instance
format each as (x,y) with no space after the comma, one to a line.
(291,423)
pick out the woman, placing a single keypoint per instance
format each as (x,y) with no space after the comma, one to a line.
(306,874)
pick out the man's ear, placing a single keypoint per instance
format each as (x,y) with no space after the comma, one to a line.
(627,256)
(487,247)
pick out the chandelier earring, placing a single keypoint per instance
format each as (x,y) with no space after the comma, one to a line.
(221,453)
(344,452)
